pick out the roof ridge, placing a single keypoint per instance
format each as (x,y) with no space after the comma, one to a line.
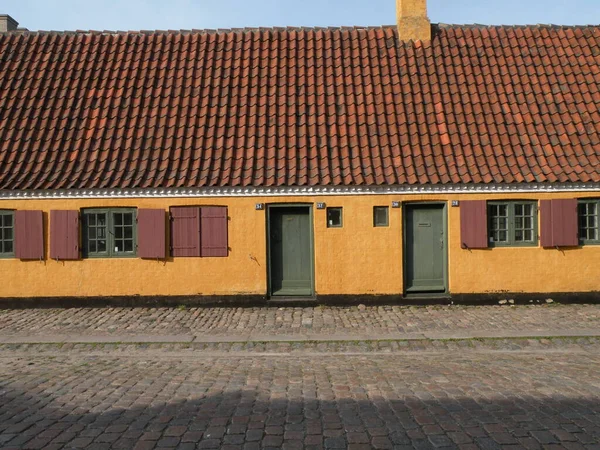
(204,30)
(538,25)
(290,29)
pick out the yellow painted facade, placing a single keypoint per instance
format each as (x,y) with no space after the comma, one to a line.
(355,259)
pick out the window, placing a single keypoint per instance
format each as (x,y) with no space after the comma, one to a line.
(512,223)
(381,216)
(109,232)
(589,221)
(334,217)
(7,234)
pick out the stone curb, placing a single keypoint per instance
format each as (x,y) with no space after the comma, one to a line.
(254,338)
(307,348)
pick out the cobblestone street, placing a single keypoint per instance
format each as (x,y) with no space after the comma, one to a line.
(147,397)
(356,378)
(264,323)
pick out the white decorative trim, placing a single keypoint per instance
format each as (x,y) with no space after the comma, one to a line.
(299,190)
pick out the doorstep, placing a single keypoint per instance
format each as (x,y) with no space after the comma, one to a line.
(287,301)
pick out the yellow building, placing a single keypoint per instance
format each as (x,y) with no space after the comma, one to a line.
(340,164)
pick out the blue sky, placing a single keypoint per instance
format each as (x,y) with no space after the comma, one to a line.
(187,14)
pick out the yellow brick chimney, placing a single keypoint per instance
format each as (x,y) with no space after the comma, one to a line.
(413,23)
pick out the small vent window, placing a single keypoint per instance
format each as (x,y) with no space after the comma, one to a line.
(381,216)
(334,218)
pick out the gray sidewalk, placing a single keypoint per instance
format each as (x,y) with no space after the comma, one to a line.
(214,325)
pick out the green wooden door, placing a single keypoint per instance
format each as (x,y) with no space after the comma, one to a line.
(290,244)
(425,248)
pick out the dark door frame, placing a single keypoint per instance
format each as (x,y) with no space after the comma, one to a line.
(311,227)
(444,208)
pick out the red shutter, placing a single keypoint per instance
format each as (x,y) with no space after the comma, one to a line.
(151,231)
(473,224)
(559,223)
(64,235)
(29,235)
(185,231)
(214,231)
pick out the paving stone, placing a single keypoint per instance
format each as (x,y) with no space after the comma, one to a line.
(210,443)
(438,441)
(335,442)
(168,442)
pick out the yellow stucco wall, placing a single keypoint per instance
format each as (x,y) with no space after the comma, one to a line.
(355,259)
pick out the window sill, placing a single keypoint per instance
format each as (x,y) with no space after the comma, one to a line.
(109,257)
(513,245)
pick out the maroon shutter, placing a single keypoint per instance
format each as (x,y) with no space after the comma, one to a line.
(546,223)
(185,231)
(473,224)
(559,223)
(64,235)
(214,231)
(29,235)
(151,233)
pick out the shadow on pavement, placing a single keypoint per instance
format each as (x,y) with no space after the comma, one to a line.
(270,403)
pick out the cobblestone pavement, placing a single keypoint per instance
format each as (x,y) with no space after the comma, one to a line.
(154,396)
(256,323)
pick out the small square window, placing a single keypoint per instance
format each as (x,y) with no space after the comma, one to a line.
(334,217)
(381,216)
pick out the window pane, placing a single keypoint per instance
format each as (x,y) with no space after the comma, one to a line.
(101,219)
(589,222)
(8,233)
(128,219)
(528,236)
(118,219)
(380,216)
(129,232)
(118,233)
(101,233)
(518,222)
(92,248)
(8,247)
(119,246)
(518,209)
(502,236)
(502,210)
(101,246)
(128,246)
(518,235)
(7,220)
(92,233)
(92,219)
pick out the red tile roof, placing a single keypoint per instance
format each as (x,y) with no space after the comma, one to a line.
(283,107)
